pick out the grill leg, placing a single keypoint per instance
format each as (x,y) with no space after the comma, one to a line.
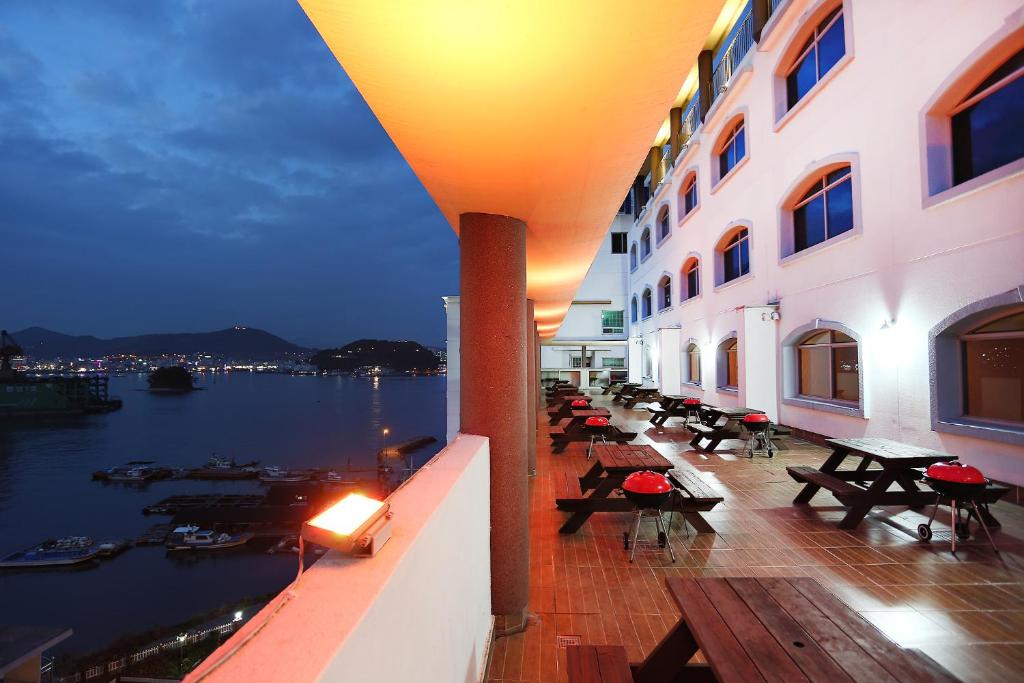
(952,522)
(590,449)
(668,541)
(984,526)
(636,533)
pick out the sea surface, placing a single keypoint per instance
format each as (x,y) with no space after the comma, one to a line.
(46,489)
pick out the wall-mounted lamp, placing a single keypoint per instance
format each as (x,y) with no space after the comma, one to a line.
(774,315)
(356,525)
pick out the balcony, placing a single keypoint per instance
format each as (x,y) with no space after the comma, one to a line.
(732,55)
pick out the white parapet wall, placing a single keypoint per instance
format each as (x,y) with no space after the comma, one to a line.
(420,610)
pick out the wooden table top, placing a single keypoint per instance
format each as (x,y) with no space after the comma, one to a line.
(732,412)
(591,412)
(791,629)
(886,450)
(630,457)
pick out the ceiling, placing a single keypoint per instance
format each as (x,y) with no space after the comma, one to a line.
(543,110)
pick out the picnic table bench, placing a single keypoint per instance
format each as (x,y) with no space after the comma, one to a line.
(573,429)
(864,487)
(612,386)
(624,390)
(640,395)
(597,664)
(776,629)
(715,429)
(562,407)
(670,405)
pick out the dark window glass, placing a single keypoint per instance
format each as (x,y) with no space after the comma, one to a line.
(692,282)
(819,54)
(664,226)
(840,208)
(826,210)
(733,151)
(846,370)
(988,133)
(627,204)
(736,257)
(666,294)
(632,257)
(993,363)
(632,310)
(809,224)
(690,198)
(645,244)
(645,307)
(618,243)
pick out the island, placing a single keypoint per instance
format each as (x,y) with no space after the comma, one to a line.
(378,356)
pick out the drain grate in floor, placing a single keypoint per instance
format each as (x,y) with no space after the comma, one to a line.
(565,641)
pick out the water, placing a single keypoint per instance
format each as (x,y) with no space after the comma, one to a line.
(46,490)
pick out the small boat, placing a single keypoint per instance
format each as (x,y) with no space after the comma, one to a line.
(191,537)
(131,473)
(223,468)
(112,547)
(273,475)
(290,544)
(53,553)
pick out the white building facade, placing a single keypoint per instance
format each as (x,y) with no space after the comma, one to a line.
(840,241)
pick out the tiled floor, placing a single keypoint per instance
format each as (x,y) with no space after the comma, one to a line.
(967,611)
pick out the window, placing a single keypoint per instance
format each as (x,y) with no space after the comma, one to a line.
(664,293)
(823,49)
(627,204)
(732,150)
(575,361)
(664,226)
(632,258)
(824,211)
(613,362)
(736,256)
(728,364)
(645,244)
(645,303)
(692,363)
(987,131)
(688,196)
(612,322)
(993,367)
(619,242)
(633,310)
(828,366)
(691,279)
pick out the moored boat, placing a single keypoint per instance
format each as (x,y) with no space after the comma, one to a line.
(274,475)
(191,537)
(53,553)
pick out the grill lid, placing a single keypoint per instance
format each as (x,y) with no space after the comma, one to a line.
(579,403)
(756,418)
(955,472)
(647,482)
(691,401)
(597,422)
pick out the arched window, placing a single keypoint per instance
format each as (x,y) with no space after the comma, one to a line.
(645,244)
(688,195)
(646,301)
(993,365)
(728,364)
(731,149)
(828,366)
(633,310)
(734,256)
(690,285)
(824,210)
(664,223)
(691,363)
(986,125)
(823,49)
(633,262)
(664,292)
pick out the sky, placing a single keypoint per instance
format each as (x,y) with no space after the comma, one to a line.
(185,166)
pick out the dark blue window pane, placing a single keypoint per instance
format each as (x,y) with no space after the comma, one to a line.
(744,257)
(840,208)
(691,284)
(989,134)
(632,310)
(723,162)
(800,80)
(741,145)
(831,47)
(835,175)
(691,198)
(809,224)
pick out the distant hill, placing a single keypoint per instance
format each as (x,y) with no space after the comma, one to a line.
(397,355)
(241,342)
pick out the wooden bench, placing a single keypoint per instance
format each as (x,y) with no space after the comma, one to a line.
(695,497)
(611,387)
(567,485)
(714,435)
(597,664)
(842,490)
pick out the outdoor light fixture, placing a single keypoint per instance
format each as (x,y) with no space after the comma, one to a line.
(356,525)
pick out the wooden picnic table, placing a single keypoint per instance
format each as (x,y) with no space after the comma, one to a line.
(562,407)
(624,389)
(714,429)
(777,629)
(670,405)
(863,488)
(579,417)
(612,464)
(640,395)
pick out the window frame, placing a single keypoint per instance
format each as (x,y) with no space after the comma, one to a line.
(812,41)
(737,125)
(831,345)
(645,238)
(646,303)
(623,237)
(790,371)
(973,335)
(613,329)
(664,220)
(634,258)
(733,230)
(664,302)
(810,175)
(690,181)
(684,279)
(691,348)
(728,343)
(634,310)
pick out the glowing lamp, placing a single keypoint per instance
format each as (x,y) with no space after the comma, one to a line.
(356,524)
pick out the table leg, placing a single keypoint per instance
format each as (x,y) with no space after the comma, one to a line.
(857,512)
(669,657)
(592,477)
(582,514)
(829,466)
(699,524)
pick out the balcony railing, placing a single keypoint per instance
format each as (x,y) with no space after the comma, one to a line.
(733,55)
(774,5)
(691,120)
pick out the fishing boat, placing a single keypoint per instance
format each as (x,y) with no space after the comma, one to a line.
(223,468)
(275,475)
(191,537)
(53,553)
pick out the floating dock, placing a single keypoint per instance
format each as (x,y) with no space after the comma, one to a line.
(172,505)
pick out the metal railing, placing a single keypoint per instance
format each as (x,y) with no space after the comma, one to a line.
(733,55)
(690,122)
(774,5)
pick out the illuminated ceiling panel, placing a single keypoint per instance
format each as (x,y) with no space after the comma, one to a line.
(539,109)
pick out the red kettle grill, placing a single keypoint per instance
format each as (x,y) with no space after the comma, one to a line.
(961,485)
(579,403)
(691,406)
(648,491)
(759,426)
(597,426)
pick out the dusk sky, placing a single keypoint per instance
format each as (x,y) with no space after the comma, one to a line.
(187,166)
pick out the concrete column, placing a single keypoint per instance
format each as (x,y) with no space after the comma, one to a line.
(704,81)
(675,126)
(494,393)
(654,167)
(634,359)
(668,360)
(757,337)
(538,394)
(454,378)
(532,390)
(760,11)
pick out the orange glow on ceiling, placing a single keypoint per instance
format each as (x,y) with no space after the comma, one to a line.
(538,109)
(347,515)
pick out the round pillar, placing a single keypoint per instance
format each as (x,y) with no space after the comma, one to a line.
(532,390)
(493,348)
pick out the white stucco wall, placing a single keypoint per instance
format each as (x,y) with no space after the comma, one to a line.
(453,381)
(913,259)
(417,611)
